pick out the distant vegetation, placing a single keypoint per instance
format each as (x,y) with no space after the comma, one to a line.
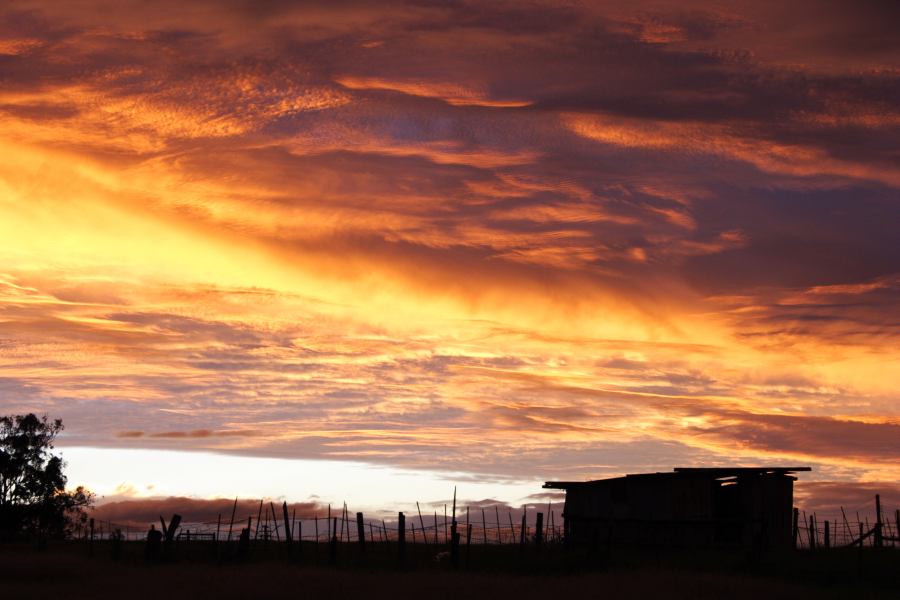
(34,502)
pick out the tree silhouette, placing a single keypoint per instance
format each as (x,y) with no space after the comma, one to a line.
(33,496)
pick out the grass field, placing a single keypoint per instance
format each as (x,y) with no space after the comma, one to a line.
(66,571)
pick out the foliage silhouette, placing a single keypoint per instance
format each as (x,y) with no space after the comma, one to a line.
(33,497)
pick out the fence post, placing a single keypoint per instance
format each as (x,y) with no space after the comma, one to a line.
(361,532)
(275,521)
(539,531)
(522,534)
(796,528)
(468,542)
(811,531)
(827,535)
(258,520)
(897,526)
(287,527)
(454,544)
(421,525)
(401,538)
(332,544)
(91,543)
(231,523)
(878,537)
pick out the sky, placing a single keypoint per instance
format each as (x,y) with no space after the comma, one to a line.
(490,244)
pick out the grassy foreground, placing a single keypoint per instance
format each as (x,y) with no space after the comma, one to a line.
(67,572)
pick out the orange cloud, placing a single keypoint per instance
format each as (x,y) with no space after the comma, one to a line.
(450,93)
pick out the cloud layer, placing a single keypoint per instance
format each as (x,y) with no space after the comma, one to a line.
(533,240)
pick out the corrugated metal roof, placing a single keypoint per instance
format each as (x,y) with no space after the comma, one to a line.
(709,472)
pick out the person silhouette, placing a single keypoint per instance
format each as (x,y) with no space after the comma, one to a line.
(154,543)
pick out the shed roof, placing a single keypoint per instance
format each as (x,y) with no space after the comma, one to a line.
(709,473)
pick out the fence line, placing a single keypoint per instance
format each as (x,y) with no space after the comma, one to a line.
(317,529)
(812,531)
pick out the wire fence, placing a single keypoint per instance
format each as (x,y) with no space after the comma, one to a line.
(483,526)
(427,530)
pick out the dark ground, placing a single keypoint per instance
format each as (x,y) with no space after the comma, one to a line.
(202,571)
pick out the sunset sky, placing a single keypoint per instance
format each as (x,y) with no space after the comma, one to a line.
(370,250)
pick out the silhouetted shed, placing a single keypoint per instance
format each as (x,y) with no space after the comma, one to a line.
(738,506)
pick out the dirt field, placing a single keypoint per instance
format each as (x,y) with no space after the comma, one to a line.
(67,572)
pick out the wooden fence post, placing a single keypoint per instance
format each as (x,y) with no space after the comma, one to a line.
(827,535)
(300,538)
(522,533)
(361,532)
(401,538)
(231,524)
(549,519)
(878,536)
(332,544)
(454,545)
(422,524)
(539,531)
(287,526)
(468,542)
(275,521)
(258,519)
(897,526)
(436,541)
(796,527)
(173,527)
(847,525)
(811,531)
(347,521)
